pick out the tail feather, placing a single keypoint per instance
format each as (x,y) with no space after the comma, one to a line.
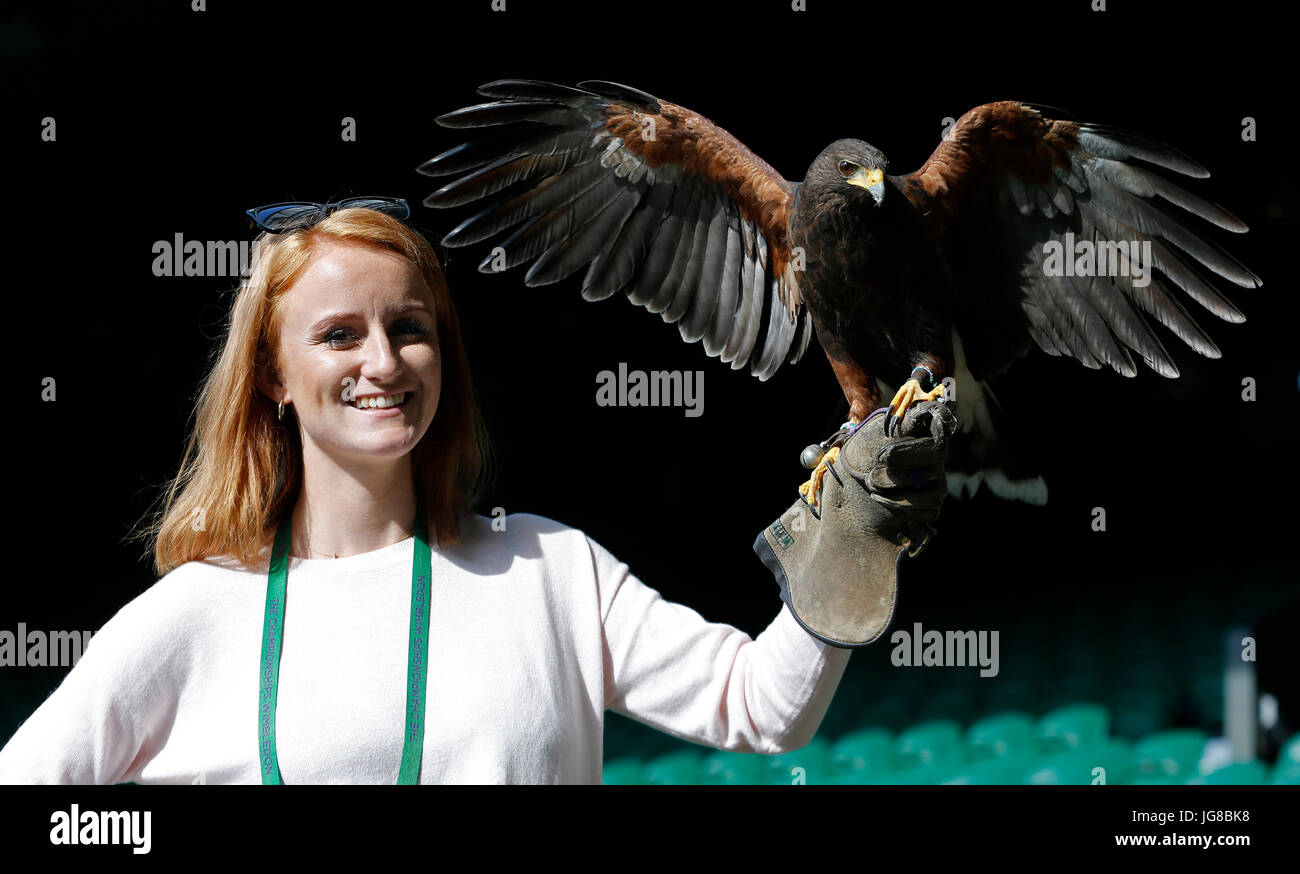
(983,454)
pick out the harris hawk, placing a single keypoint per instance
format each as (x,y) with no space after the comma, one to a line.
(949,273)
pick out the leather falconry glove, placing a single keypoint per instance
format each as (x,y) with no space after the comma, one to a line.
(837,558)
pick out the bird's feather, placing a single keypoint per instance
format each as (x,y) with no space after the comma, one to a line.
(1006,180)
(654,199)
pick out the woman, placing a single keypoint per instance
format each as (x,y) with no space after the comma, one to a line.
(340,403)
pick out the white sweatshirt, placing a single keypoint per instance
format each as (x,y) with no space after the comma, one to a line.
(534,632)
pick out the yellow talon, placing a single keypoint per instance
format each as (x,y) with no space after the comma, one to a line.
(910,393)
(811,489)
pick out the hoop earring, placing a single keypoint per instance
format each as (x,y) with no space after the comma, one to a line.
(279,412)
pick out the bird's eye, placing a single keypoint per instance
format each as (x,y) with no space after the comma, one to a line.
(847,167)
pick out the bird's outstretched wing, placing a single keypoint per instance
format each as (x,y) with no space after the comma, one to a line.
(1006,183)
(662,204)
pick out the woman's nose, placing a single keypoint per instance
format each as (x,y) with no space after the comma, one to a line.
(381,361)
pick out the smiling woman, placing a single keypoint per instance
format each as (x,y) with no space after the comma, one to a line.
(369,316)
(319,536)
(364,381)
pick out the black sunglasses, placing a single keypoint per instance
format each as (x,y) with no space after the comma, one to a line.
(277,218)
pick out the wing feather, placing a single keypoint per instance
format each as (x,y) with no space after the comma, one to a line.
(1006,182)
(653,199)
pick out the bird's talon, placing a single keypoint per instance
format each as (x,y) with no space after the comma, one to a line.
(910,393)
(831,469)
(811,490)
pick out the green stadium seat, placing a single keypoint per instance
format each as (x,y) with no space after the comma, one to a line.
(1080,766)
(1285,774)
(728,768)
(1001,735)
(622,772)
(1174,753)
(1074,727)
(1237,774)
(679,768)
(933,744)
(1114,756)
(818,767)
(1290,752)
(1006,770)
(864,750)
(1155,780)
(906,777)
(1070,768)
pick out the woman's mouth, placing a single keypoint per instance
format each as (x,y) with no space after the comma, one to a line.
(381,403)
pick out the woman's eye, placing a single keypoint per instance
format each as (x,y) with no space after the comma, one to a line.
(410,327)
(338,337)
(341,338)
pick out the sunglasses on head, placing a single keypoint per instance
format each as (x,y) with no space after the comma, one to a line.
(277,218)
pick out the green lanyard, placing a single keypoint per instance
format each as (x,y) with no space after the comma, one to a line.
(273,627)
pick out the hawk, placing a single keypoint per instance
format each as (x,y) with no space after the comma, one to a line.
(1019,231)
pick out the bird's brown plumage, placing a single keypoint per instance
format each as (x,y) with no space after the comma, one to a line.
(663,205)
(679,137)
(989,141)
(655,200)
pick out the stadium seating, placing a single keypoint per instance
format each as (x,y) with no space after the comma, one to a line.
(1060,709)
(1069,745)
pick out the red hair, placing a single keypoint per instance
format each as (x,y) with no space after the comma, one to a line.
(242,469)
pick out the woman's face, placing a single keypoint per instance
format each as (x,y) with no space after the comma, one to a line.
(358,331)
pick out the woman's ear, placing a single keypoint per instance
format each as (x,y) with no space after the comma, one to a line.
(268,381)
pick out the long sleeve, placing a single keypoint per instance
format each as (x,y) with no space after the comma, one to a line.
(708,682)
(535,631)
(109,715)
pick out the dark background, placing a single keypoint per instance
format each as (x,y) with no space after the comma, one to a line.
(173,121)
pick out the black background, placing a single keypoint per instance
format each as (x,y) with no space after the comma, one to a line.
(174,121)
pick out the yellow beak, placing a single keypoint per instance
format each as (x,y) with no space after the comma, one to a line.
(872,180)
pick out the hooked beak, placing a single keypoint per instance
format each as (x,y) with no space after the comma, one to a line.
(872,180)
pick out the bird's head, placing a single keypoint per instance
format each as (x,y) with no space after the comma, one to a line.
(850,169)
